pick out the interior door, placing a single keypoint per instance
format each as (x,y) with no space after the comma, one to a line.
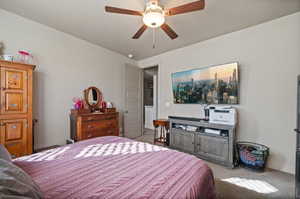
(297,184)
(133,101)
(298,113)
(13,91)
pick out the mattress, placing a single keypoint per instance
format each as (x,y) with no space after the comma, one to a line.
(116,168)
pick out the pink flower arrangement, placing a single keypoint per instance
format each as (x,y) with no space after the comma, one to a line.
(25,53)
(103,105)
(78,103)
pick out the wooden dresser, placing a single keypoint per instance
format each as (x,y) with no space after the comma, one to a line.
(16,107)
(90,125)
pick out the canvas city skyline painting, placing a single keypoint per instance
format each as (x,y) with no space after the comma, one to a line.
(211,85)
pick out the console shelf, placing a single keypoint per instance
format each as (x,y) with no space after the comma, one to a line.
(212,147)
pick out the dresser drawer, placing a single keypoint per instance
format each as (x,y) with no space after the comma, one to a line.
(110,123)
(90,134)
(98,125)
(99,117)
(93,125)
(100,133)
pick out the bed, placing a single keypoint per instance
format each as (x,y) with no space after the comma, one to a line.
(116,168)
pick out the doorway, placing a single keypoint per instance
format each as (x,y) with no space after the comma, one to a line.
(150,99)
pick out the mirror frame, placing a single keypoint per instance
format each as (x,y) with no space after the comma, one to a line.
(96,106)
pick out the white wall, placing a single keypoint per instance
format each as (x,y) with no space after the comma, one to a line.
(65,67)
(269,58)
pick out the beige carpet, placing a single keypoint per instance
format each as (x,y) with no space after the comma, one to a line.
(240,183)
(230,191)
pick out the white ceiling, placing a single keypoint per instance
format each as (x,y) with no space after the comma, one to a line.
(87,20)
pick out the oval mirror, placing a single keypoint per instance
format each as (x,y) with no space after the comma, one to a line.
(93,97)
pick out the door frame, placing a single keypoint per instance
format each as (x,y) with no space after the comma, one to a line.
(157,93)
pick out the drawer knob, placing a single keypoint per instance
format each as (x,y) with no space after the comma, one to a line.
(13,126)
(13,105)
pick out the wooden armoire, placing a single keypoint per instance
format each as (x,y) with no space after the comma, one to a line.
(16,107)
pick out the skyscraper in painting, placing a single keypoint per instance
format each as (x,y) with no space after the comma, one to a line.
(213,85)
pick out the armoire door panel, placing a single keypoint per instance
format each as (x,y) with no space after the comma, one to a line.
(14,102)
(14,96)
(14,79)
(16,149)
(14,136)
(14,131)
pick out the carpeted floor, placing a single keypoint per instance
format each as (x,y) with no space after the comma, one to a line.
(241,183)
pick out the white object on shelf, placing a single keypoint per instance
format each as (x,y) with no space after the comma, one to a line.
(109,105)
(191,128)
(223,115)
(212,131)
(8,57)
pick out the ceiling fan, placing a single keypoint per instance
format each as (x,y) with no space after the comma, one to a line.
(154,15)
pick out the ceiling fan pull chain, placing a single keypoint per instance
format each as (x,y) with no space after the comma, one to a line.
(153,38)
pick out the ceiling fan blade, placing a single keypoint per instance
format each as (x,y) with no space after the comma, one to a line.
(169,31)
(122,11)
(140,32)
(190,7)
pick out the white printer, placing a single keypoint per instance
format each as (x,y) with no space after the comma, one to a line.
(223,115)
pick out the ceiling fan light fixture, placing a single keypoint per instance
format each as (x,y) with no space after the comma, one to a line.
(154,15)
